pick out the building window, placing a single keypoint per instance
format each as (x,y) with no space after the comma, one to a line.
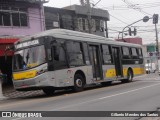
(67,22)
(97,25)
(11,16)
(23,19)
(80,24)
(83,24)
(6,19)
(93,25)
(101,25)
(86,25)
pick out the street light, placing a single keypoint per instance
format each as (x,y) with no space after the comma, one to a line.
(145,19)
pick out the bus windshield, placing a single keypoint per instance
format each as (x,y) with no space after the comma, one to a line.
(29,58)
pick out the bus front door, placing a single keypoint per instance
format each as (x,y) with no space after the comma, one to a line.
(117,61)
(95,61)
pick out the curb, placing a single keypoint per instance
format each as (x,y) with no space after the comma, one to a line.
(3,98)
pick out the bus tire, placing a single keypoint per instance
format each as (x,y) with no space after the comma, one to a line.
(129,77)
(49,91)
(78,83)
(106,83)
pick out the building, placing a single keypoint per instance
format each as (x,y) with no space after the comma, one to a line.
(151,55)
(76,18)
(134,40)
(18,18)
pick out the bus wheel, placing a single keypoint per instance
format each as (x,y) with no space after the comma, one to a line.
(49,91)
(129,77)
(106,83)
(78,83)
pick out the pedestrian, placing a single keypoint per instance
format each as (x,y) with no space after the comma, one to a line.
(1,78)
(1,75)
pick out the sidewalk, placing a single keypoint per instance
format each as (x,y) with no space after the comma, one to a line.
(10,92)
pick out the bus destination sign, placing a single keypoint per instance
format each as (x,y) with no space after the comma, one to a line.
(26,44)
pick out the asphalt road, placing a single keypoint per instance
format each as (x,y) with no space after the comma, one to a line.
(143,94)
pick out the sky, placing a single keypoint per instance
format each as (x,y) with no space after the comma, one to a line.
(123,13)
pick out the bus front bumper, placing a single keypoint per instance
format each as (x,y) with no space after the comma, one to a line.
(35,83)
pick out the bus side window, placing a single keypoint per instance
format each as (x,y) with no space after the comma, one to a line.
(126,52)
(86,55)
(59,57)
(75,53)
(140,53)
(107,56)
(134,53)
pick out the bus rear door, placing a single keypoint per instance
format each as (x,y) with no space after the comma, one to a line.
(96,61)
(117,61)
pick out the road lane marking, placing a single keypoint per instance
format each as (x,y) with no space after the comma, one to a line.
(89,101)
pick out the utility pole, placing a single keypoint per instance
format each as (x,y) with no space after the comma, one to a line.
(89,16)
(157,46)
(155,21)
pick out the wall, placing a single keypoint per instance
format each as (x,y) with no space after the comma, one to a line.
(35,25)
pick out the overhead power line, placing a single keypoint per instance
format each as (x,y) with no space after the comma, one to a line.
(96,3)
(124,7)
(135,7)
(118,19)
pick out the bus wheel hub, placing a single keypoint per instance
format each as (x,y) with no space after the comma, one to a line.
(79,83)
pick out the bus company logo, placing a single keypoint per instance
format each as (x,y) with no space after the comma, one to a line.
(6,114)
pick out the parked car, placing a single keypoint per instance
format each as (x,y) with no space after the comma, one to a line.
(150,67)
